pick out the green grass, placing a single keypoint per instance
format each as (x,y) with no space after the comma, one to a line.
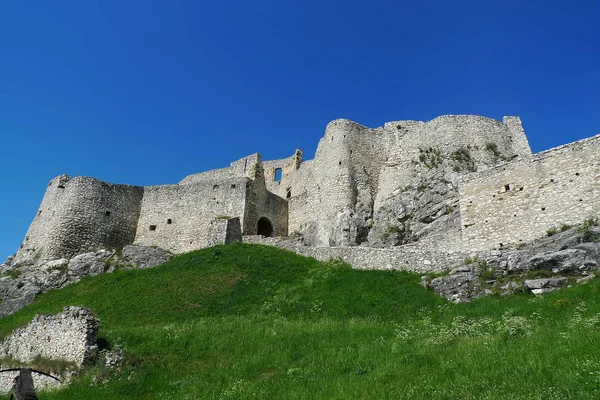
(254,322)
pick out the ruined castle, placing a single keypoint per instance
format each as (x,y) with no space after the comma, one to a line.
(408,194)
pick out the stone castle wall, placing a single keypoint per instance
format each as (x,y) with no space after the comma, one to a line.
(405,139)
(302,189)
(176,217)
(81,213)
(520,200)
(413,258)
(243,167)
(357,170)
(280,185)
(361,183)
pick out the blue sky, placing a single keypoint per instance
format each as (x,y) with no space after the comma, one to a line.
(147,92)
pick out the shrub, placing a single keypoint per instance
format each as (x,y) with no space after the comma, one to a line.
(462,160)
(431,157)
(564,227)
(492,148)
(586,230)
(13,273)
(587,224)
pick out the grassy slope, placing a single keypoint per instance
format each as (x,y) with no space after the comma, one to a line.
(249,321)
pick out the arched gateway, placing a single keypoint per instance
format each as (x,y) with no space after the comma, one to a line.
(264,227)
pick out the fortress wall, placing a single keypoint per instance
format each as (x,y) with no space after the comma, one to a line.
(36,239)
(519,201)
(299,208)
(287,166)
(177,217)
(212,175)
(408,257)
(335,183)
(262,203)
(403,139)
(302,180)
(90,213)
(399,258)
(304,199)
(243,167)
(366,155)
(519,140)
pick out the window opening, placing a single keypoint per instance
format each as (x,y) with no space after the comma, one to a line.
(152,227)
(278,174)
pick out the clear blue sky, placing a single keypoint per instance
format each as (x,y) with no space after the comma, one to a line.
(147,92)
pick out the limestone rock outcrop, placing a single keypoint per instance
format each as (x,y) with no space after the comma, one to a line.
(20,284)
(542,266)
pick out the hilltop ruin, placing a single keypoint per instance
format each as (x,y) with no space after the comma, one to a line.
(409,194)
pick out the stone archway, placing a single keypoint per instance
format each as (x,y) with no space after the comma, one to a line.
(264,227)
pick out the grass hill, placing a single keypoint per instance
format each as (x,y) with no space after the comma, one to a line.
(255,322)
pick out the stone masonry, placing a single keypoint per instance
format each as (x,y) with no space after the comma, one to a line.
(70,336)
(426,193)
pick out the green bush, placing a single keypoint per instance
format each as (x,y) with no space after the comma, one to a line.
(431,157)
(462,161)
(492,148)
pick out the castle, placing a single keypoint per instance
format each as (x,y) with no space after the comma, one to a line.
(409,193)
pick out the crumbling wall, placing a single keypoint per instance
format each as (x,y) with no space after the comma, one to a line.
(417,198)
(344,182)
(81,213)
(304,197)
(519,201)
(237,169)
(279,174)
(36,238)
(365,183)
(70,336)
(487,142)
(262,204)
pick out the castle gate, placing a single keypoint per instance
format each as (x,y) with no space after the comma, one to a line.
(264,227)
